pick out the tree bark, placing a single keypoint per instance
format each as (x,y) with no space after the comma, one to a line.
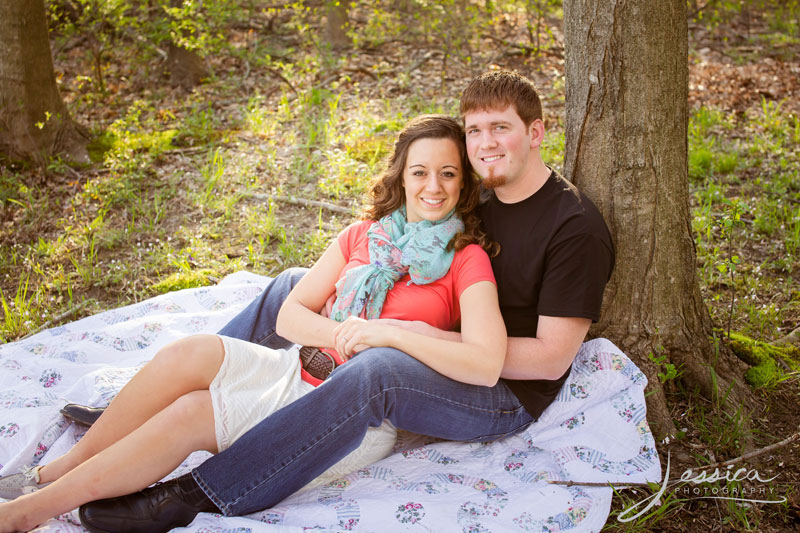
(186,68)
(626,67)
(34,122)
(337,22)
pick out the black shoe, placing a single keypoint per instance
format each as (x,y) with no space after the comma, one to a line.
(81,413)
(158,508)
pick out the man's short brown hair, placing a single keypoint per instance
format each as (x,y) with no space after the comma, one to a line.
(498,89)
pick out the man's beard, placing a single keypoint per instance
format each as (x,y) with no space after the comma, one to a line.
(491,181)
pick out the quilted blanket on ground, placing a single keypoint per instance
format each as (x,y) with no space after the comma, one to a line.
(595,431)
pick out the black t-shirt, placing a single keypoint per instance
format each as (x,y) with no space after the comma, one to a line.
(555,258)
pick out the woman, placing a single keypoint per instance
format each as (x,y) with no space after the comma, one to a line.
(414,259)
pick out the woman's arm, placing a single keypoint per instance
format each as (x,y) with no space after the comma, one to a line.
(477,359)
(546,356)
(298,319)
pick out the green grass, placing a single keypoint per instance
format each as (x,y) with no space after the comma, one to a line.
(750,173)
(17,310)
(626,499)
(182,280)
(710,154)
(722,431)
(552,148)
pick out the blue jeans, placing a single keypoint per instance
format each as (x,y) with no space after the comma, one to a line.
(256,322)
(299,442)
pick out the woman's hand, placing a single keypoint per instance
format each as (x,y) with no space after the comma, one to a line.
(356,334)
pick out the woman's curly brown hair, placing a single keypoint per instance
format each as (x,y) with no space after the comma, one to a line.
(386,194)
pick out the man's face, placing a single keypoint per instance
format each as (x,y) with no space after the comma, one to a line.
(498,144)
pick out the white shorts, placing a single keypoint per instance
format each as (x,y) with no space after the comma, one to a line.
(254,381)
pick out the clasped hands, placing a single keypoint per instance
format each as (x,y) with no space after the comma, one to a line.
(356,334)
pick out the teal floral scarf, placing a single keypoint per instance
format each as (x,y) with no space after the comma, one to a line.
(396,247)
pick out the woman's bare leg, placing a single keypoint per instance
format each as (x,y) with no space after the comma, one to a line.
(181,367)
(144,456)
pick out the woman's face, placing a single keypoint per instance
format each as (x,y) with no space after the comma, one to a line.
(432,178)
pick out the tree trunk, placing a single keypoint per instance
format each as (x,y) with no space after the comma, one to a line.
(337,22)
(186,68)
(34,123)
(626,69)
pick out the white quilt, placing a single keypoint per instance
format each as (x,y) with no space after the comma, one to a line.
(595,431)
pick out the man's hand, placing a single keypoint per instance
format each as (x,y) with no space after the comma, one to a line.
(414,326)
(422,328)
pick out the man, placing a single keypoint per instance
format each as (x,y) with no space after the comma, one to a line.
(555,258)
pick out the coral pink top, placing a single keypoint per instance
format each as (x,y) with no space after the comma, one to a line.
(436,303)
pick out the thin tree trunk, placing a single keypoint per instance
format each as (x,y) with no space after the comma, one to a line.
(337,22)
(626,143)
(34,123)
(186,68)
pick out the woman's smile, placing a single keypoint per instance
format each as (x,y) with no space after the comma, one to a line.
(432,179)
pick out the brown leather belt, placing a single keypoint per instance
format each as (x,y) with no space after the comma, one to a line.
(316,362)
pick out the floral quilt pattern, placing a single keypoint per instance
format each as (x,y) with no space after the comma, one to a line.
(595,431)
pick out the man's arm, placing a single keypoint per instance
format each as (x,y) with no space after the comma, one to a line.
(549,354)
(546,356)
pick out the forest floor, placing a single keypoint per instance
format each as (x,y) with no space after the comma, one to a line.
(188,186)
